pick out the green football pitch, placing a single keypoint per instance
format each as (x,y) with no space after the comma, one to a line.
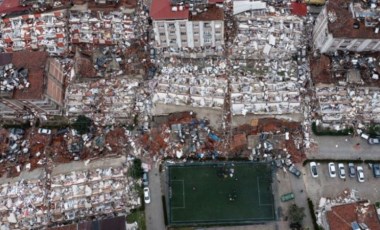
(217,193)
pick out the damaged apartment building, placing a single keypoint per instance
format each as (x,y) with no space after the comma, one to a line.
(270,69)
(346,75)
(188,23)
(31,85)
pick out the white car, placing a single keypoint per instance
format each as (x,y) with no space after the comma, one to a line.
(146,195)
(360,173)
(44,131)
(313,169)
(332,169)
(342,172)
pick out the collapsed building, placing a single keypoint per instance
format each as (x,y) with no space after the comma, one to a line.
(193,85)
(346,89)
(74,196)
(104,101)
(46,31)
(269,67)
(101,28)
(265,31)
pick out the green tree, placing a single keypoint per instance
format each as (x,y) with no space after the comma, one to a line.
(296,214)
(82,124)
(136,170)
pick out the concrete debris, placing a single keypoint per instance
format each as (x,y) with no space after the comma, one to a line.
(11,78)
(194,85)
(38,203)
(266,31)
(277,92)
(35,32)
(104,101)
(101,28)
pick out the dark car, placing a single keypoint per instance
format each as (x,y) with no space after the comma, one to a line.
(376,170)
(294,171)
(374,140)
(351,170)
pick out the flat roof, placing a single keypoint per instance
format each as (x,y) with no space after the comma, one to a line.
(35,63)
(162,10)
(343,26)
(212,13)
(11,6)
(340,217)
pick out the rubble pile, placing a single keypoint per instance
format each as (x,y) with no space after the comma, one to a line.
(269,88)
(191,85)
(183,136)
(101,28)
(23,205)
(89,193)
(342,104)
(103,100)
(35,32)
(27,204)
(11,78)
(266,31)
(350,93)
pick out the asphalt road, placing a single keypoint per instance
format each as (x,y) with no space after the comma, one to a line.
(345,147)
(154,215)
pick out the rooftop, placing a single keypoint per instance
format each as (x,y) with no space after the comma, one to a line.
(343,25)
(116,223)
(340,217)
(11,6)
(212,13)
(299,9)
(35,63)
(162,10)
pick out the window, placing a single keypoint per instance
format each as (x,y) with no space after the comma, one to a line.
(162,34)
(184,41)
(183,33)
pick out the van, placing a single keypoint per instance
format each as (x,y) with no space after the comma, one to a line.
(364,136)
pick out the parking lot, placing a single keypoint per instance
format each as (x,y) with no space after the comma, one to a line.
(325,186)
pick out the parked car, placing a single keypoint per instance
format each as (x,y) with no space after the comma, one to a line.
(374,140)
(351,169)
(294,171)
(287,197)
(44,131)
(360,172)
(146,195)
(376,170)
(145,179)
(364,136)
(313,169)
(332,169)
(342,172)
(152,53)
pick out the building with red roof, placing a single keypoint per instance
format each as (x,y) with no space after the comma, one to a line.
(188,24)
(358,32)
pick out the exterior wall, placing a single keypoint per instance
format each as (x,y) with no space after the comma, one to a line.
(184,33)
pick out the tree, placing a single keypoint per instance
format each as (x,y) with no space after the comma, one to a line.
(296,214)
(136,170)
(82,124)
